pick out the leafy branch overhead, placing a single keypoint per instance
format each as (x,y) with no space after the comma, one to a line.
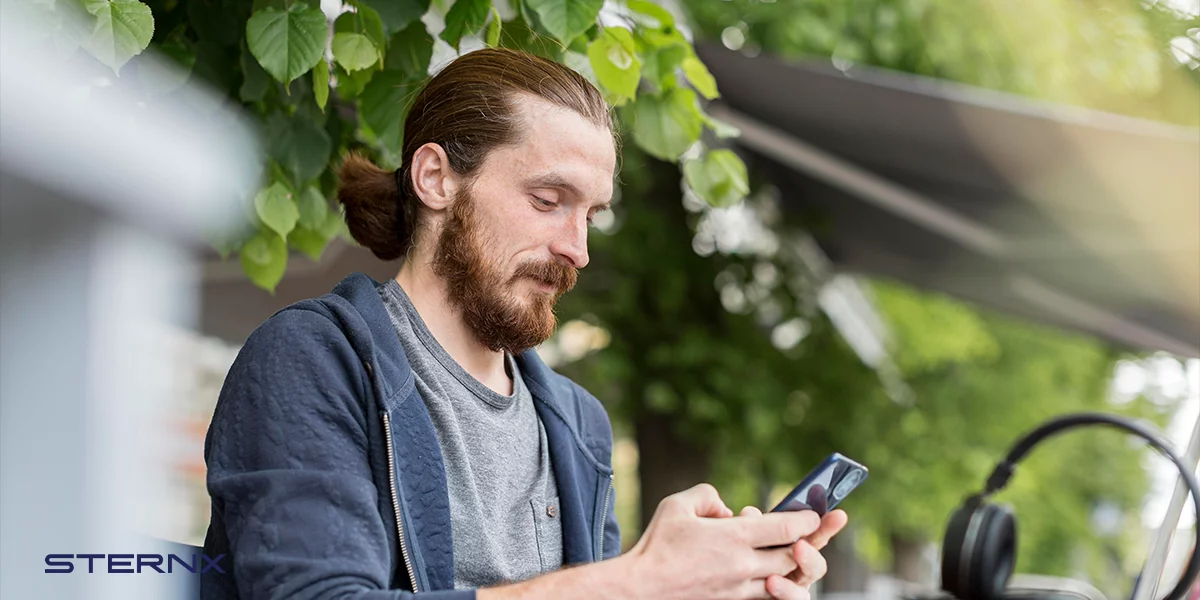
(320,84)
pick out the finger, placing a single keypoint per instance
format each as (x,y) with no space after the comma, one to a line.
(754,589)
(703,501)
(782,588)
(778,529)
(811,566)
(831,524)
(750,511)
(776,561)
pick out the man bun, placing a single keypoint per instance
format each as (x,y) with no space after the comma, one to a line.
(374,208)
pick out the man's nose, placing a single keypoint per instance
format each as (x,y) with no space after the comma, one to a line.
(571,244)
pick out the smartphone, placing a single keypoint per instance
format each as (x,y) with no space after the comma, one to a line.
(825,486)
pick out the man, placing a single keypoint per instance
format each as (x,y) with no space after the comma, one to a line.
(403,436)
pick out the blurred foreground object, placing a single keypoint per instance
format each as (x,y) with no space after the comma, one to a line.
(105,196)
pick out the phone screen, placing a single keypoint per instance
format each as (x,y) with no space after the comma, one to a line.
(825,486)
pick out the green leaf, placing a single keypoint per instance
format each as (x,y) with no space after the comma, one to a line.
(354,51)
(384,104)
(579,45)
(350,85)
(566,19)
(493,31)
(287,43)
(661,63)
(652,10)
(123,29)
(276,209)
(363,20)
(464,18)
(321,83)
(314,209)
(94,6)
(397,14)
(264,259)
(614,59)
(719,178)
(697,74)
(299,144)
(661,38)
(311,243)
(255,81)
(410,50)
(666,126)
(279,175)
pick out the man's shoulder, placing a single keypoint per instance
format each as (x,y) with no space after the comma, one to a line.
(326,322)
(304,325)
(315,338)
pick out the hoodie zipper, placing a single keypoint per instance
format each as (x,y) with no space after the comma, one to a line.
(604,517)
(412,576)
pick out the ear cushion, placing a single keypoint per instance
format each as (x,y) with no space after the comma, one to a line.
(978,551)
(996,554)
(952,550)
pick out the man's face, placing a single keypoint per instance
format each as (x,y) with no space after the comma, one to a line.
(514,239)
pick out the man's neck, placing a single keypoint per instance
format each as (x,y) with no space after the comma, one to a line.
(428,294)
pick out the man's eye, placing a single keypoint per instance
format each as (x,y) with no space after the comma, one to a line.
(544,203)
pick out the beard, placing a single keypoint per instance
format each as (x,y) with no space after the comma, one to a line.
(486,296)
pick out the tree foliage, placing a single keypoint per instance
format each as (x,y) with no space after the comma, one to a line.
(322,84)
(1122,56)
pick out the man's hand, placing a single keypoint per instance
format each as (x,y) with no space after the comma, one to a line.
(810,565)
(690,552)
(695,549)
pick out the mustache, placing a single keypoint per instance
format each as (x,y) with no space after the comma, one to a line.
(553,273)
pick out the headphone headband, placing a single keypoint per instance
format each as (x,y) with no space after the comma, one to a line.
(1005,469)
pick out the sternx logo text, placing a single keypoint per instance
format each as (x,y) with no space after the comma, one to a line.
(133,563)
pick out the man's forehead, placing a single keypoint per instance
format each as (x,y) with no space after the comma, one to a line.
(540,119)
(559,148)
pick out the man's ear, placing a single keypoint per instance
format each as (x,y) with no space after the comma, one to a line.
(432,178)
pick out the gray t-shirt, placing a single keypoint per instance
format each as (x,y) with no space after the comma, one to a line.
(503,499)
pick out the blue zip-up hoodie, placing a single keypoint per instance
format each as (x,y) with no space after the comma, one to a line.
(324,468)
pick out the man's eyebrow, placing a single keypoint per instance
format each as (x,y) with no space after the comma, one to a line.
(553,180)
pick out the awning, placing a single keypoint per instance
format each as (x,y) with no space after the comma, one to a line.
(1075,218)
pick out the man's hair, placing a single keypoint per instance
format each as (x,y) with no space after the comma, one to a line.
(468,109)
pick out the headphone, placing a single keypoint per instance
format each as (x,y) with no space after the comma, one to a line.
(980,547)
